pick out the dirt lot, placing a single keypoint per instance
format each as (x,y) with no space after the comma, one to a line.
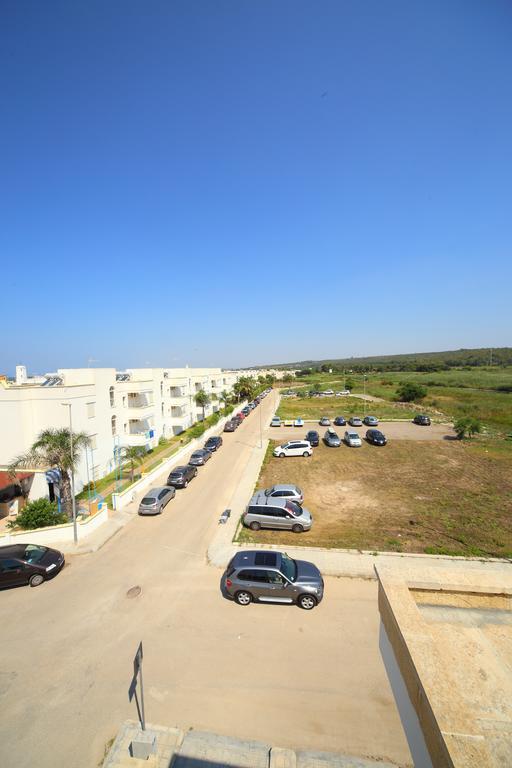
(394,430)
(442,496)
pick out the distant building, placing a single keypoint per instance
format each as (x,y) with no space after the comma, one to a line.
(115,408)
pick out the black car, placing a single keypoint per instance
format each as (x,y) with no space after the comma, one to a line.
(340,421)
(237,419)
(422,420)
(181,476)
(230,425)
(375,437)
(28,564)
(213,443)
(313,438)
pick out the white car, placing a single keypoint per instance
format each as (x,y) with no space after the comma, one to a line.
(294,448)
(276,421)
(328,392)
(343,392)
(352,439)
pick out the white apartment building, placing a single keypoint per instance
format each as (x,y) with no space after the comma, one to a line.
(115,408)
(253,373)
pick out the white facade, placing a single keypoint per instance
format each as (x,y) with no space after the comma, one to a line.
(133,407)
(252,373)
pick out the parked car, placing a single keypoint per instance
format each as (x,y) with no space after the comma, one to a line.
(246,410)
(343,392)
(276,421)
(272,577)
(288,423)
(325,422)
(200,457)
(213,443)
(332,439)
(285,491)
(328,392)
(281,514)
(313,438)
(240,416)
(298,422)
(422,419)
(375,437)
(293,448)
(371,421)
(230,426)
(340,421)
(352,439)
(28,564)
(355,421)
(181,476)
(155,500)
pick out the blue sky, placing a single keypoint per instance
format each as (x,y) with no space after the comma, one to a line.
(235,183)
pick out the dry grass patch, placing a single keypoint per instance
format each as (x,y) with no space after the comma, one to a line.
(438,497)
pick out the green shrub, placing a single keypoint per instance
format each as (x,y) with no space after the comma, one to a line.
(410,391)
(38,514)
(467,426)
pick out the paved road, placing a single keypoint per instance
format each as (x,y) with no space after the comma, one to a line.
(305,680)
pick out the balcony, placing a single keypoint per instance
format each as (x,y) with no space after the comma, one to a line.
(178,393)
(140,400)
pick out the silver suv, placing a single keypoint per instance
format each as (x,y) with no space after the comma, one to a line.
(283,514)
(285,491)
(272,577)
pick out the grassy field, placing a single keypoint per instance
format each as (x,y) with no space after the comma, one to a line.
(478,391)
(315,407)
(450,498)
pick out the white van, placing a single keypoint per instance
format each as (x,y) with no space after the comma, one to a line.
(294,448)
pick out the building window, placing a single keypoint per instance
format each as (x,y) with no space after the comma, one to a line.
(91,410)
(113,421)
(111,394)
(125,428)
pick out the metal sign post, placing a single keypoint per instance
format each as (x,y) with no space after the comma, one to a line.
(137,674)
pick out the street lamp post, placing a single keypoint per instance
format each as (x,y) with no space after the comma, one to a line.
(75,533)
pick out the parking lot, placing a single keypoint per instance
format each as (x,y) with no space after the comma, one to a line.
(288,677)
(394,430)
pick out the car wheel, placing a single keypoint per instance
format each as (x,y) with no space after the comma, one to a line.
(185,483)
(243,598)
(255,526)
(307,602)
(281,455)
(306,453)
(36,580)
(195,473)
(297,528)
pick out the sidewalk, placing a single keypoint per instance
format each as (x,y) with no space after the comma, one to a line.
(96,540)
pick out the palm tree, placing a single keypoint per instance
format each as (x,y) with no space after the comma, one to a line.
(52,450)
(224,397)
(245,387)
(202,399)
(134,456)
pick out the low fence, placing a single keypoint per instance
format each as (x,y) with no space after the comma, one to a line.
(121,500)
(57,533)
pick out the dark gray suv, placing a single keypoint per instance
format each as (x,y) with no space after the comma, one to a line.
(272,577)
(181,476)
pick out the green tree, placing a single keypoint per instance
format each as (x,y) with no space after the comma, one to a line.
(225,398)
(202,399)
(52,450)
(39,513)
(467,426)
(409,391)
(287,378)
(270,379)
(245,387)
(134,456)
(350,384)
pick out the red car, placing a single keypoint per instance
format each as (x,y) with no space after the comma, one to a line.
(240,415)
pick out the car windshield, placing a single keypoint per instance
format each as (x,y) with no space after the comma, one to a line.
(288,567)
(293,508)
(33,553)
(147,500)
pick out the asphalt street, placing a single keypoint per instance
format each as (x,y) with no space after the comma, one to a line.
(311,680)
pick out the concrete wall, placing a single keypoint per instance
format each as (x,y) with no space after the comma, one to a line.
(57,533)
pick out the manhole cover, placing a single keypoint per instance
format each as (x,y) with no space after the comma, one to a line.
(134,591)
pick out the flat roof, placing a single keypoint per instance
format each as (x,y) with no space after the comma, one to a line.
(451,635)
